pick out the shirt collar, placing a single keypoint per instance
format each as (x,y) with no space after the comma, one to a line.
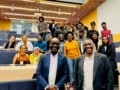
(56,55)
(92,57)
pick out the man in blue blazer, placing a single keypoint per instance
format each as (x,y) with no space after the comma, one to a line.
(93,71)
(52,71)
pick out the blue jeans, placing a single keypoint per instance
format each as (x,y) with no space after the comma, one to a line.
(71,65)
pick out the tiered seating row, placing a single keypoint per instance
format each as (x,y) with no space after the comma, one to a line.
(18,85)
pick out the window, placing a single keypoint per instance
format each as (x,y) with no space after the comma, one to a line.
(22,28)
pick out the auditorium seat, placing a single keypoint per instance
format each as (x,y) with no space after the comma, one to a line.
(23,85)
(3,35)
(6,57)
(2,41)
(33,35)
(19,85)
(11,33)
(4,85)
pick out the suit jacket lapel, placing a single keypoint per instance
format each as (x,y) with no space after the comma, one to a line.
(48,64)
(96,61)
(58,62)
(81,64)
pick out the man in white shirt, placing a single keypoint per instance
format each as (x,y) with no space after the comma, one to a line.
(52,71)
(93,71)
(25,42)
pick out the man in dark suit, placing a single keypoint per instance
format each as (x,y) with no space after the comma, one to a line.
(93,71)
(52,28)
(52,70)
(80,41)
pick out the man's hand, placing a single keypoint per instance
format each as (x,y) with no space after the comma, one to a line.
(51,87)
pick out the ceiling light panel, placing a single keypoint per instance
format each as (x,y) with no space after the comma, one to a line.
(30,9)
(59,4)
(17,14)
(33,20)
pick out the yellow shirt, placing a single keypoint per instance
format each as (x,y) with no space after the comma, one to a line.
(34,59)
(71,49)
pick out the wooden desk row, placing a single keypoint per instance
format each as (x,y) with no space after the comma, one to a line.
(12,72)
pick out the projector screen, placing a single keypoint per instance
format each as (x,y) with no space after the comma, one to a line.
(71,1)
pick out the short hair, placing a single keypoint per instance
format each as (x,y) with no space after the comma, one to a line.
(103,23)
(36,48)
(93,23)
(86,28)
(61,33)
(54,38)
(70,33)
(25,36)
(80,23)
(85,39)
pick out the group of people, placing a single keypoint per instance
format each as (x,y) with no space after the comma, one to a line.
(26,52)
(75,57)
(92,70)
(69,55)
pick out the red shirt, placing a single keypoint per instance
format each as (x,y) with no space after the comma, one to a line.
(105,33)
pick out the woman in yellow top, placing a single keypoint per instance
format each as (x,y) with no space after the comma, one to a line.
(35,56)
(72,52)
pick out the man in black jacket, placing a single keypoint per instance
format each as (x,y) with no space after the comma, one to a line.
(93,71)
(52,27)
